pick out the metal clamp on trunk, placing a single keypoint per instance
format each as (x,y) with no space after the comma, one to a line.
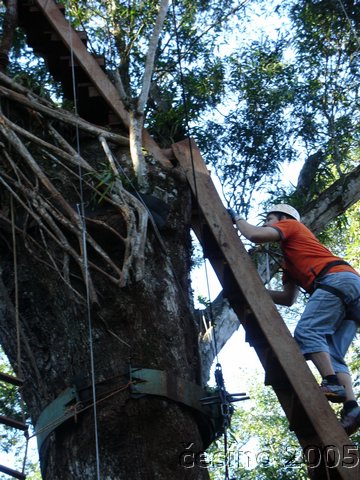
(56,413)
(208,414)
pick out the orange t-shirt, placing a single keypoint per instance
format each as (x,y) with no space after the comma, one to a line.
(304,255)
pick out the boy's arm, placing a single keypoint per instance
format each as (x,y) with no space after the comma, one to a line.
(287,296)
(290,291)
(257,234)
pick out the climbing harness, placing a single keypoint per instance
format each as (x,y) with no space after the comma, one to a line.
(353,307)
(325,270)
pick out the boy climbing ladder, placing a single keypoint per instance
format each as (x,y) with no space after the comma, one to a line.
(329,322)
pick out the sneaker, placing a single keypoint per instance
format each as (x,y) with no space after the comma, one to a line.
(334,393)
(350,421)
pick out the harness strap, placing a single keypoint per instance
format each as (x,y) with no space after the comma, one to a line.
(352,308)
(323,272)
(332,290)
(329,265)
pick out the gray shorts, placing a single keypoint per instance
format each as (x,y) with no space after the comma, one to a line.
(323,327)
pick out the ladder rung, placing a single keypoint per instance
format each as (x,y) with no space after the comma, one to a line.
(10,422)
(274,373)
(12,473)
(4,377)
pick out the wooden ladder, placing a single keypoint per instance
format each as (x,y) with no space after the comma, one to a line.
(326,446)
(49,16)
(11,422)
(47,43)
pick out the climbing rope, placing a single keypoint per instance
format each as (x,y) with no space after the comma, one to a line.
(226,412)
(223,398)
(187,129)
(81,213)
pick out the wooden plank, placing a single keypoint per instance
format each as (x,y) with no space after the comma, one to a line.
(327,428)
(4,377)
(100,80)
(11,422)
(12,473)
(88,63)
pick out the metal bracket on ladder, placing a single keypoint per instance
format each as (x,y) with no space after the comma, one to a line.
(308,412)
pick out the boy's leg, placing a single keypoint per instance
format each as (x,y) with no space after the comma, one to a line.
(345,379)
(322,317)
(339,344)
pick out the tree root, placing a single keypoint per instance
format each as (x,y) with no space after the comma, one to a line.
(56,231)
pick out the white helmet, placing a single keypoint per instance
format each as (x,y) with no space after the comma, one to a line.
(284,208)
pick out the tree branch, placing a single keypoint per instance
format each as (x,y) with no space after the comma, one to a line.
(150,57)
(63,115)
(333,201)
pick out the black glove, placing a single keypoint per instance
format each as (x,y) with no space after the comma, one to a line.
(232,214)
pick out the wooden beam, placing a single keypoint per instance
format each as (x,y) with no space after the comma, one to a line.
(11,422)
(274,335)
(12,473)
(98,77)
(83,57)
(4,377)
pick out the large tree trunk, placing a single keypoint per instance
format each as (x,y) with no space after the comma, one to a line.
(147,323)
